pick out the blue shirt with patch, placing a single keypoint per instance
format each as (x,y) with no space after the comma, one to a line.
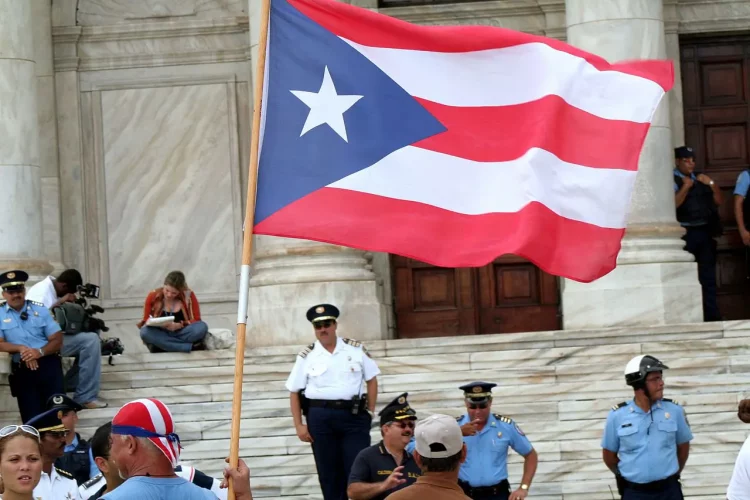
(646,442)
(487,451)
(33,332)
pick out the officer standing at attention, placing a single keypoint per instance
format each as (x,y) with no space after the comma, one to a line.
(646,440)
(697,199)
(77,459)
(326,385)
(484,474)
(33,338)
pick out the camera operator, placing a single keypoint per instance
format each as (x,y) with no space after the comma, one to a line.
(85,346)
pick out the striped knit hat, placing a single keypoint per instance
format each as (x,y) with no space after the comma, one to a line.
(149,418)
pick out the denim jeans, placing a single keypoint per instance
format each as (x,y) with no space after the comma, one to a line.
(179,341)
(87,347)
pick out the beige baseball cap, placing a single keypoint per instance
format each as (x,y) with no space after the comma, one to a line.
(438,436)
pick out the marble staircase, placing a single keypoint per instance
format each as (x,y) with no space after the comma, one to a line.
(558,386)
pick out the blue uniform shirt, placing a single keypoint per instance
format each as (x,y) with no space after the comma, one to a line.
(487,451)
(93,469)
(743,183)
(34,332)
(647,447)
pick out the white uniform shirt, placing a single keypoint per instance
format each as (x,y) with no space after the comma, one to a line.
(43,292)
(739,485)
(332,376)
(56,486)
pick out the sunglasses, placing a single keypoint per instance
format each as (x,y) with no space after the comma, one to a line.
(478,406)
(405,425)
(26,429)
(319,325)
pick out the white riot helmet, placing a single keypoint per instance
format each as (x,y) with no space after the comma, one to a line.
(639,367)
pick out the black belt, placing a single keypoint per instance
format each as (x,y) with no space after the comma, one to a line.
(659,485)
(335,404)
(480,491)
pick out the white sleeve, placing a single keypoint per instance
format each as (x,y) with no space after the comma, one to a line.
(40,293)
(298,378)
(369,366)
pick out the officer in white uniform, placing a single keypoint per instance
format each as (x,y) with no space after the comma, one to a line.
(55,483)
(326,386)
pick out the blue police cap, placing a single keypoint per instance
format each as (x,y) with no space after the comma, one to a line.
(322,312)
(62,402)
(684,152)
(478,392)
(13,280)
(398,409)
(48,421)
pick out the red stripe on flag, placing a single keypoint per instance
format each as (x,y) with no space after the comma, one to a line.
(377,30)
(505,133)
(559,246)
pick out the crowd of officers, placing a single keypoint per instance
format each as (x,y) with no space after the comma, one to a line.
(645,444)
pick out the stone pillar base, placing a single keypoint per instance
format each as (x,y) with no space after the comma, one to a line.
(277,312)
(655,283)
(37,269)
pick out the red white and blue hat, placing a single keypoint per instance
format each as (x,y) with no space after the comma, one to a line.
(151,419)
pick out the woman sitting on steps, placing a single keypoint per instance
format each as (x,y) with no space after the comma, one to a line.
(183,334)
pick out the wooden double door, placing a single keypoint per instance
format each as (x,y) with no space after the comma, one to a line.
(716,96)
(509,295)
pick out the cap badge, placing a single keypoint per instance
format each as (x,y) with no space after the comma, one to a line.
(401,400)
(477,388)
(11,275)
(57,400)
(320,309)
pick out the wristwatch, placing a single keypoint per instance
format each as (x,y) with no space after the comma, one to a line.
(711,183)
(41,352)
(525,487)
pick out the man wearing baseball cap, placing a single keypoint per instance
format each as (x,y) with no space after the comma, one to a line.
(146,449)
(439,451)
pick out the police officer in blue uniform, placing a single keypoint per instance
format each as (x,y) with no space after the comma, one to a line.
(77,459)
(484,474)
(33,338)
(325,385)
(697,198)
(646,440)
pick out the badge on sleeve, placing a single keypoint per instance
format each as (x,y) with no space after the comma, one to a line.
(518,429)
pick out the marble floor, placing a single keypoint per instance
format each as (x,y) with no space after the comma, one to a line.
(558,386)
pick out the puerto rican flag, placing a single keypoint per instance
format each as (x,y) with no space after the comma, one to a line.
(449,145)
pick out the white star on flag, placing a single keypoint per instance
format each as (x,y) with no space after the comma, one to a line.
(326,106)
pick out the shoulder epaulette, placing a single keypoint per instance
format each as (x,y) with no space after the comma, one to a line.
(458,419)
(91,482)
(353,343)
(503,419)
(307,350)
(64,473)
(36,303)
(670,401)
(618,406)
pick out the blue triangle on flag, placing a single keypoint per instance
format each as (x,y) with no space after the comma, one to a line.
(384,120)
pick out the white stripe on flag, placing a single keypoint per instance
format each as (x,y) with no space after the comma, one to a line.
(160,426)
(596,196)
(516,75)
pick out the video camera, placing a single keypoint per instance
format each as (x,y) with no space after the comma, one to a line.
(88,290)
(91,291)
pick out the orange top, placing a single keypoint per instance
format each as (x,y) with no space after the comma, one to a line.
(154,306)
(432,486)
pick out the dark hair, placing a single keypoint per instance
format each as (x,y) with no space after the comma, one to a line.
(6,439)
(100,445)
(177,280)
(71,278)
(446,464)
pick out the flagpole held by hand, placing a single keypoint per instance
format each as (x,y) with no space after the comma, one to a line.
(247,243)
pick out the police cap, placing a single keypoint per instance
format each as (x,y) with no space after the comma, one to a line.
(49,421)
(398,409)
(322,312)
(13,280)
(62,402)
(478,392)
(684,152)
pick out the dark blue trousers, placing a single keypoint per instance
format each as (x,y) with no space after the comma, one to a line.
(338,436)
(32,388)
(673,491)
(700,243)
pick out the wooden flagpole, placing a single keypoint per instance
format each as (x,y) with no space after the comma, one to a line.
(247,242)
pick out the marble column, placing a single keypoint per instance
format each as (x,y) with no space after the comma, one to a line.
(656,281)
(20,191)
(291,275)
